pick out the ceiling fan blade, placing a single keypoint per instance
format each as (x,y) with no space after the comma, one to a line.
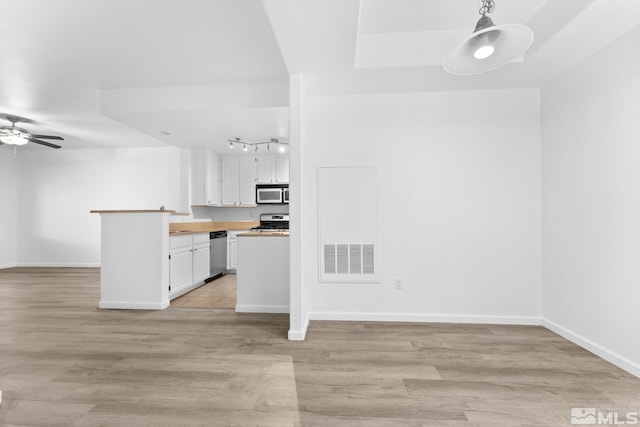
(59,138)
(48,144)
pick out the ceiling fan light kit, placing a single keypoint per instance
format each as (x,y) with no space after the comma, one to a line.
(13,139)
(13,135)
(489,47)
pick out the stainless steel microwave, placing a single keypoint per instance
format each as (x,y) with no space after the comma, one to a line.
(272,194)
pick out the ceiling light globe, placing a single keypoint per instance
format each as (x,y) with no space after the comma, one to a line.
(14,139)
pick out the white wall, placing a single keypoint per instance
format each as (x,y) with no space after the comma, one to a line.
(58,188)
(591,202)
(459,203)
(298,311)
(8,208)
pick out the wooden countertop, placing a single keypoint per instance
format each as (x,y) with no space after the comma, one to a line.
(183,228)
(186,233)
(169,211)
(265,233)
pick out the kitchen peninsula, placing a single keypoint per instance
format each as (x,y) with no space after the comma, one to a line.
(135,247)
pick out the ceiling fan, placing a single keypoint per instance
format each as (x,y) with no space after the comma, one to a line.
(13,135)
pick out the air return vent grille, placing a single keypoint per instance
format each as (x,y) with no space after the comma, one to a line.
(349,259)
(348,248)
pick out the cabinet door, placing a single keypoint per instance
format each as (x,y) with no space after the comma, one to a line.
(200,262)
(282,169)
(230,175)
(266,169)
(231,255)
(231,248)
(180,269)
(247,188)
(214,190)
(198,177)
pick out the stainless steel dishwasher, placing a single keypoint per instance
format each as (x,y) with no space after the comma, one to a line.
(218,254)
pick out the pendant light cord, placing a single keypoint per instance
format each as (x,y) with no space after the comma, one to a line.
(487,7)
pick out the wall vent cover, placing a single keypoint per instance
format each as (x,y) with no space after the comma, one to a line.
(349,259)
(348,224)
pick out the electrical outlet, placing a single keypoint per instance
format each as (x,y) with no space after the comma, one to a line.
(398,284)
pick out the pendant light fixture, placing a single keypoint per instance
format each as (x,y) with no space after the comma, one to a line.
(489,47)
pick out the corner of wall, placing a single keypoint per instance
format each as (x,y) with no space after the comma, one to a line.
(299,334)
(608,355)
(9,212)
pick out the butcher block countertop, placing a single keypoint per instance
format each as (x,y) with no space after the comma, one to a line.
(169,211)
(264,233)
(184,228)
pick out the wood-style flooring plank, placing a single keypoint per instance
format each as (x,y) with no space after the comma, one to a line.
(64,362)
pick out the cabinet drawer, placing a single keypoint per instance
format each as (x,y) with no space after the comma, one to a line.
(200,238)
(178,242)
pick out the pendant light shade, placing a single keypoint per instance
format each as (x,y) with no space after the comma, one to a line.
(489,47)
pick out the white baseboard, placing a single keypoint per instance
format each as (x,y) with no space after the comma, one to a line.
(3,266)
(174,295)
(299,334)
(426,318)
(251,308)
(608,355)
(58,264)
(127,305)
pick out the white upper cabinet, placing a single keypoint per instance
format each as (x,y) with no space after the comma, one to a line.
(204,178)
(197,177)
(238,181)
(266,166)
(230,177)
(247,181)
(282,169)
(214,180)
(273,169)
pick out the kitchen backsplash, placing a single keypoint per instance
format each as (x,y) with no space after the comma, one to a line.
(235,214)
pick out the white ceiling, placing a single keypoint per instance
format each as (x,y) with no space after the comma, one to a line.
(118,73)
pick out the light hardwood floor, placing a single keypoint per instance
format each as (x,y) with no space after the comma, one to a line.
(64,362)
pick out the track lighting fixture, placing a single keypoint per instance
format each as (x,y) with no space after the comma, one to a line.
(282,146)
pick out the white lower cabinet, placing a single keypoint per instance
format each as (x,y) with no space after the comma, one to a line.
(180,264)
(188,263)
(201,258)
(232,262)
